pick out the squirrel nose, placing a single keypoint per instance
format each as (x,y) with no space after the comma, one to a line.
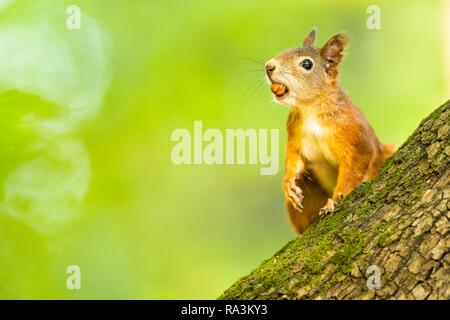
(269,69)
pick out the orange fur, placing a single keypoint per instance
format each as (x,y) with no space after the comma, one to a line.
(331,146)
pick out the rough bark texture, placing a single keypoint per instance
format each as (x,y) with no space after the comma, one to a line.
(398,222)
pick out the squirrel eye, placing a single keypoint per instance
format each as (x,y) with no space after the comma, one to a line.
(306,64)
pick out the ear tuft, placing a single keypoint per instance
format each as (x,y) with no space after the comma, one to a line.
(310,38)
(333,52)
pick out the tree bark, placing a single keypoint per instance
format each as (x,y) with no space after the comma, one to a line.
(397,223)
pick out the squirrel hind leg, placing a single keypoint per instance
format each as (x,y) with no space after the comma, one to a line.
(388,150)
(314,198)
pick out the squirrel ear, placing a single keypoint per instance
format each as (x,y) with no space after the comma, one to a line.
(332,52)
(310,38)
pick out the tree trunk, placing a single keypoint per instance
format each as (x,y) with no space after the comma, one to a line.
(397,224)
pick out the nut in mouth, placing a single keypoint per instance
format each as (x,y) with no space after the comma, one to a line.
(278,89)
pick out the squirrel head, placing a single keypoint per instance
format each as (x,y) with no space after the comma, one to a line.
(302,74)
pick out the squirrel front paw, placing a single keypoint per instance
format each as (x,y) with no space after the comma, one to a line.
(329,208)
(293,193)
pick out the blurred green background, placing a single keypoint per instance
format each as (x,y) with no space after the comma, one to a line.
(86,117)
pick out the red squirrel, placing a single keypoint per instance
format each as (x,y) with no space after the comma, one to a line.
(331,146)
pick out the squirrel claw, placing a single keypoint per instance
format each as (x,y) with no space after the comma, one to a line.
(325,211)
(296,202)
(294,194)
(329,208)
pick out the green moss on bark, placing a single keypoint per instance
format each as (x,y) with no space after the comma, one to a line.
(330,259)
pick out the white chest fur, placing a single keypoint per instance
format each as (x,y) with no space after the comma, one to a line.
(315,149)
(313,127)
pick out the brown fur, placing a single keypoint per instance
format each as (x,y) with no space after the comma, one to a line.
(331,146)
(315,197)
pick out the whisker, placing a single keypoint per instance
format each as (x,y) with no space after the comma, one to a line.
(254,60)
(247,94)
(255,89)
(250,71)
(259,94)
